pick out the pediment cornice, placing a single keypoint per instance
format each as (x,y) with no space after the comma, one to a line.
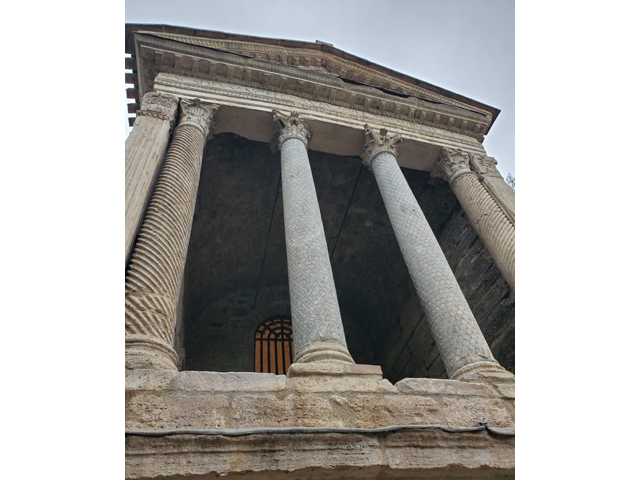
(318,60)
(268,67)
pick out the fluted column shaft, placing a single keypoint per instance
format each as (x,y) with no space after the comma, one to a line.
(144,151)
(458,337)
(489,221)
(153,282)
(318,334)
(494,184)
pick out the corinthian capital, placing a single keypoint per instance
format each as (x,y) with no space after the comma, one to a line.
(197,113)
(291,126)
(484,166)
(159,105)
(375,143)
(452,163)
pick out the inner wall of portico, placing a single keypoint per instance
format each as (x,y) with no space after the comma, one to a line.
(236,270)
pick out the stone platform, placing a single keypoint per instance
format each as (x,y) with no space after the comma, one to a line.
(163,401)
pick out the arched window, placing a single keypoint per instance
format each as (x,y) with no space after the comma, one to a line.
(274,346)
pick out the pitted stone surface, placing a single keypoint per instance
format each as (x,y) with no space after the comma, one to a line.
(314,303)
(454,327)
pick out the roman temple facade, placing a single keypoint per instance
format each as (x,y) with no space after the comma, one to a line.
(319,267)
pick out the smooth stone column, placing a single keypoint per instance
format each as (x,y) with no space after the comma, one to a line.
(490,223)
(492,181)
(458,337)
(144,151)
(152,285)
(318,334)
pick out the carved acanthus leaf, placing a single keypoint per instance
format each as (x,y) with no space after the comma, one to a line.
(197,113)
(159,105)
(484,166)
(452,163)
(290,126)
(375,143)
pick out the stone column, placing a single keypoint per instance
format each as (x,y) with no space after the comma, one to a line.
(318,334)
(153,282)
(461,343)
(144,151)
(492,181)
(493,227)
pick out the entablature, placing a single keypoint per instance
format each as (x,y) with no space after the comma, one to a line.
(247,111)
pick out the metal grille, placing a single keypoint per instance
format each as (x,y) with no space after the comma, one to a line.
(274,346)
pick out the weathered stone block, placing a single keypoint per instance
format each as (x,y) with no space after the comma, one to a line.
(466,412)
(317,411)
(355,369)
(371,411)
(151,412)
(231,382)
(492,377)
(341,384)
(262,411)
(334,369)
(292,456)
(506,390)
(203,411)
(150,379)
(413,453)
(165,412)
(432,386)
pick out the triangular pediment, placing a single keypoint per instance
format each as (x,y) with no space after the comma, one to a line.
(317,71)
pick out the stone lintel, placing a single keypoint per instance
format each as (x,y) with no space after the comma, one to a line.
(373,372)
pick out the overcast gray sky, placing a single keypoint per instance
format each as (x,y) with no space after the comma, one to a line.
(466,46)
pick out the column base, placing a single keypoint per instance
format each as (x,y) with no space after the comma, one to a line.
(325,352)
(335,369)
(148,353)
(480,372)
